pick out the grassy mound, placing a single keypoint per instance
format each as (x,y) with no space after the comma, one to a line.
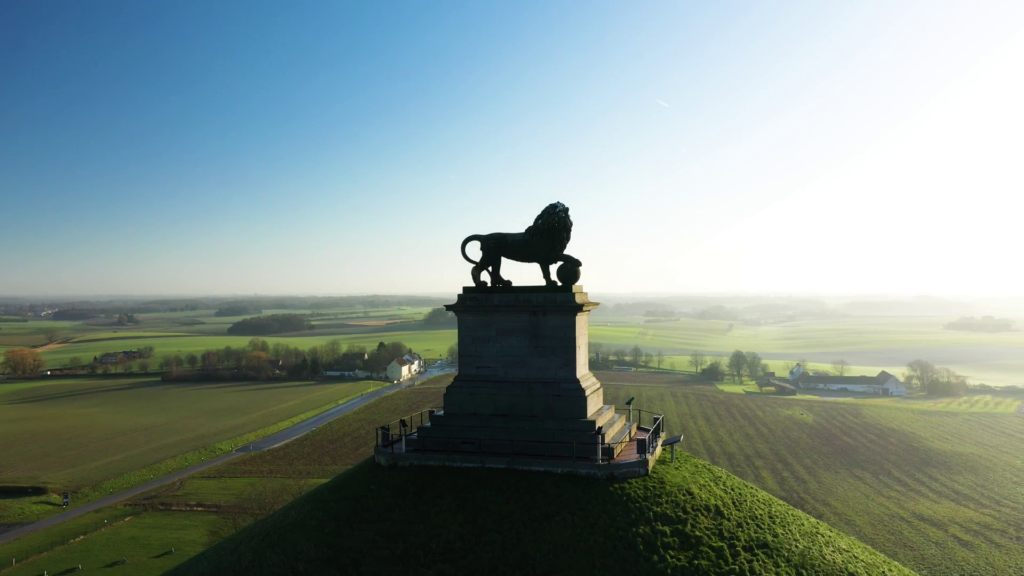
(686,517)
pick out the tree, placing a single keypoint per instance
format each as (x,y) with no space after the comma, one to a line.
(755,366)
(396,350)
(596,348)
(919,373)
(75,362)
(22,362)
(439,316)
(146,352)
(258,345)
(51,335)
(620,354)
(192,360)
(453,352)
(713,371)
(737,365)
(947,383)
(256,364)
(122,319)
(144,367)
(840,367)
(646,359)
(332,351)
(659,359)
(697,360)
(636,354)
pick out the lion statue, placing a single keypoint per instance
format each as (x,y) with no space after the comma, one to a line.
(543,243)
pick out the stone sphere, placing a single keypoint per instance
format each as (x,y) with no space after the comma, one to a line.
(568,274)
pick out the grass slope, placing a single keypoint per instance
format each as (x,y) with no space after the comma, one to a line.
(938,491)
(687,516)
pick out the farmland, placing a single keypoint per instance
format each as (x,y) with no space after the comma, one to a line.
(936,490)
(868,343)
(74,433)
(168,518)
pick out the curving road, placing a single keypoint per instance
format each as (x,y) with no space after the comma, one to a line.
(266,443)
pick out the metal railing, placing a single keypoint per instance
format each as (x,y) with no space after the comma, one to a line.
(394,434)
(397,430)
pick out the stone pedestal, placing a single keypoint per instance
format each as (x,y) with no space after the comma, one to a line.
(524,384)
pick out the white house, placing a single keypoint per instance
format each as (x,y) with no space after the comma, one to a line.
(884,384)
(399,369)
(415,360)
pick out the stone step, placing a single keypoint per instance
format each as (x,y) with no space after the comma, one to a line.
(618,442)
(602,415)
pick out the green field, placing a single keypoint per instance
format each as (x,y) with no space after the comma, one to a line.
(311,459)
(869,344)
(687,515)
(938,491)
(74,433)
(943,472)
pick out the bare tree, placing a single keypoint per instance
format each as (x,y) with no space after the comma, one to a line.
(919,373)
(51,335)
(659,359)
(737,365)
(646,359)
(636,354)
(840,367)
(755,366)
(192,360)
(144,367)
(698,361)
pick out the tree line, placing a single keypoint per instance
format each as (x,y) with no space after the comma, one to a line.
(634,357)
(273,324)
(260,360)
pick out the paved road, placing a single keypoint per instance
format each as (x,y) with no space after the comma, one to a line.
(271,441)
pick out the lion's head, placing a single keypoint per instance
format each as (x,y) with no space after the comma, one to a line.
(552,228)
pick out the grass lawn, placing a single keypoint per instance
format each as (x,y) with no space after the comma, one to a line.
(143,540)
(75,433)
(938,490)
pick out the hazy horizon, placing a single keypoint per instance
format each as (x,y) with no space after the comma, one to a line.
(190,149)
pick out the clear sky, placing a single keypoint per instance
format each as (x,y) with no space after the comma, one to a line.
(322,148)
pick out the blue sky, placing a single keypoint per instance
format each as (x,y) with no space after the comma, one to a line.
(321,147)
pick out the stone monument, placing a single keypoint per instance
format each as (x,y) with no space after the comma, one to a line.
(524,395)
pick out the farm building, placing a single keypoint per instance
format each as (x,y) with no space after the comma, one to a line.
(404,367)
(883,384)
(399,369)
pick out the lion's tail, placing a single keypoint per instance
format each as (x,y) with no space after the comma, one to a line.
(473,238)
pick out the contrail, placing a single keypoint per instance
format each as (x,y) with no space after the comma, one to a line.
(663,104)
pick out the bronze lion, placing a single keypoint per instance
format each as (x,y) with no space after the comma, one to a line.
(543,243)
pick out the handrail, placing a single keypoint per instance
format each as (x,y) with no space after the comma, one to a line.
(395,432)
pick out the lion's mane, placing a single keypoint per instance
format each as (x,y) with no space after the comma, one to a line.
(551,229)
